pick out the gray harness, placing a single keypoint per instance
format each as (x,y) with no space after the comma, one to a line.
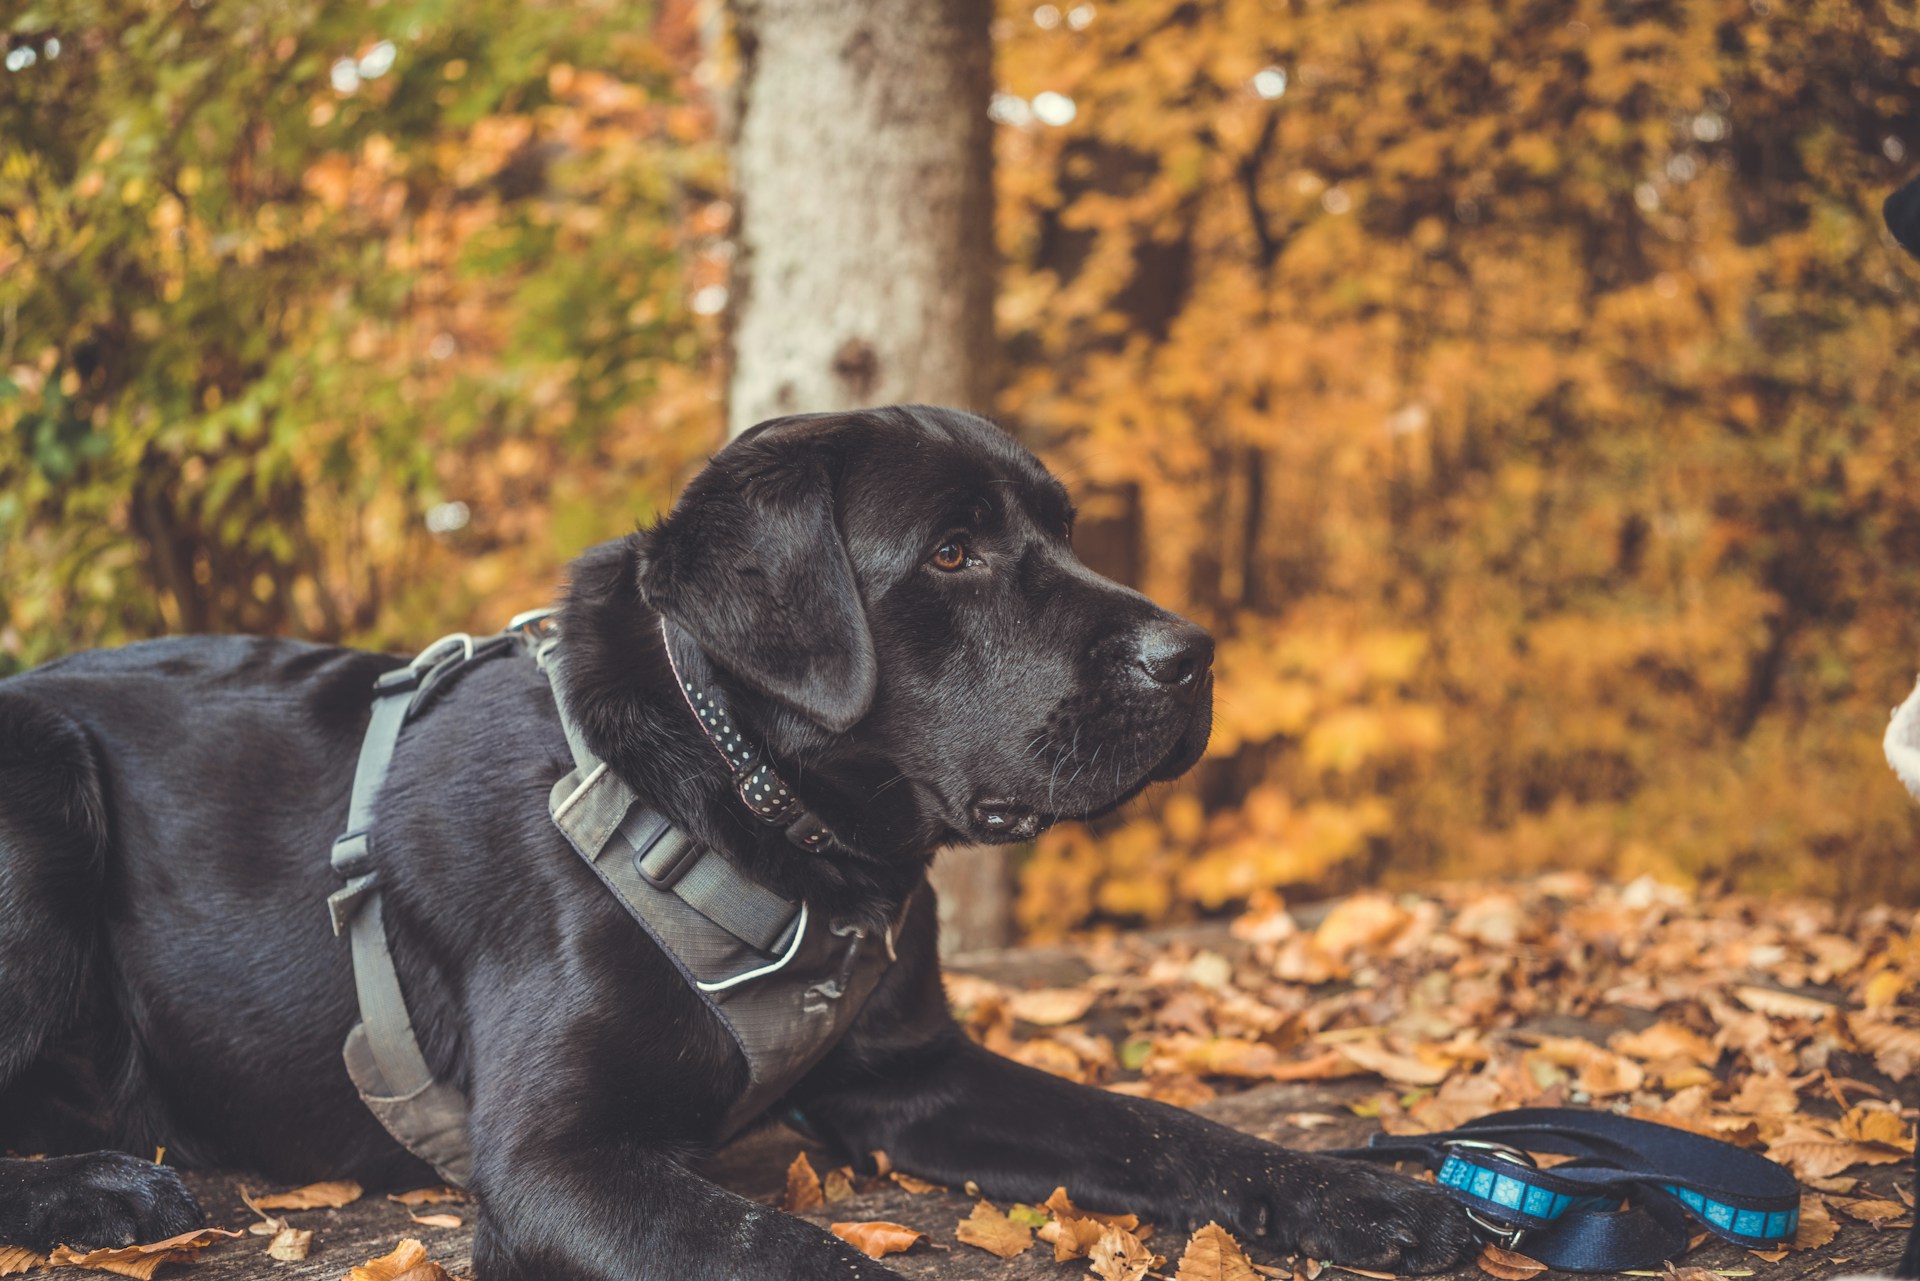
(784,983)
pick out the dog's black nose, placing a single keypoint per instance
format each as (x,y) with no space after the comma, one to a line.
(1174,652)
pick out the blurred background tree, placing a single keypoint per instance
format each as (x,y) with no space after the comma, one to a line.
(1521,392)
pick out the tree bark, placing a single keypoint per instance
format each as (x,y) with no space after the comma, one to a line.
(864,269)
(862,167)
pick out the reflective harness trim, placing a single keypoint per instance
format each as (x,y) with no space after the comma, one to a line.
(785,989)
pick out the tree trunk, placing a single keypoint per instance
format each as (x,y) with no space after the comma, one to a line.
(864,270)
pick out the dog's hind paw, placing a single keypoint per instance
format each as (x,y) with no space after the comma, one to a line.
(96,1200)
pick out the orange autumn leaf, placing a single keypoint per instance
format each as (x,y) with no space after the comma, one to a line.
(990,1230)
(803,1187)
(1119,1256)
(139,1261)
(836,1185)
(315,1196)
(877,1239)
(1071,1238)
(1508,1265)
(290,1245)
(1213,1255)
(919,1187)
(408,1262)
(1817,1228)
(16,1259)
(426,1196)
(1060,1205)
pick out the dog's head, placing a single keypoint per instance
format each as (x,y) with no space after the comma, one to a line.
(898,591)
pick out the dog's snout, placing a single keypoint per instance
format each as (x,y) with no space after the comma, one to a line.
(1174,653)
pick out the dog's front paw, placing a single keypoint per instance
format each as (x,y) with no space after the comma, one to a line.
(1356,1214)
(1344,1212)
(98,1199)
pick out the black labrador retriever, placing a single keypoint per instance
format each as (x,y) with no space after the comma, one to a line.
(895,611)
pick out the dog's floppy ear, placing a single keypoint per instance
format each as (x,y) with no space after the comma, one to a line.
(752,563)
(1902,212)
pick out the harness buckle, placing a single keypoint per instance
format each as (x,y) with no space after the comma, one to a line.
(398,681)
(667,858)
(352,855)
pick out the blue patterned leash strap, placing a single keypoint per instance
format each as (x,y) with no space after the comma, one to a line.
(1629,1197)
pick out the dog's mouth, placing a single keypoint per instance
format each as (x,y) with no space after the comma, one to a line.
(1005,820)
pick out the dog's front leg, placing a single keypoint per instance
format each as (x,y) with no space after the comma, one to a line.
(560,1204)
(950,1111)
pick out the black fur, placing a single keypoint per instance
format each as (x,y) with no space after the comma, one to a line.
(167,973)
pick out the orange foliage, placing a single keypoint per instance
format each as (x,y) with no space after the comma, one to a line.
(1522,393)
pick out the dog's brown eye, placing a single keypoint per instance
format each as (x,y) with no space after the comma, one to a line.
(951,556)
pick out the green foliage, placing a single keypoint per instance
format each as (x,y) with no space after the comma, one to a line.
(276,279)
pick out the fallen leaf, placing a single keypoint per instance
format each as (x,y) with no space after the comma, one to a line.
(1666,1041)
(994,1232)
(1870,1210)
(16,1259)
(1401,1069)
(139,1261)
(1817,1227)
(290,1245)
(1783,1005)
(1051,1007)
(1213,1255)
(1062,1206)
(877,1239)
(427,1196)
(315,1196)
(1072,1238)
(436,1220)
(408,1262)
(1895,1049)
(1119,1256)
(919,1187)
(803,1187)
(1309,1120)
(1770,1256)
(836,1185)
(1812,1155)
(1875,1125)
(1508,1265)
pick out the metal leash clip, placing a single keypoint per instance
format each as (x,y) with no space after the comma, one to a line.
(1499,1233)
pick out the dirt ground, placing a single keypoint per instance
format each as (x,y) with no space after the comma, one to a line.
(1788,1028)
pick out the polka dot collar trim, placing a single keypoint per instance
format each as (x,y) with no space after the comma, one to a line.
(765,794)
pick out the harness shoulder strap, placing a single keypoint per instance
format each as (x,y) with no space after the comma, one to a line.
(382,1053)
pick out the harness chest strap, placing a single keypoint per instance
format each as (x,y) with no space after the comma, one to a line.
(786,987)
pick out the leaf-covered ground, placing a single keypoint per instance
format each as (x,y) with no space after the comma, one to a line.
(1785,1027)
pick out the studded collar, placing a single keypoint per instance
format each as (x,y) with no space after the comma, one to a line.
(767,796)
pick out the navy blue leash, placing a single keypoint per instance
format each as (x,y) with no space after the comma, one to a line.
(1628,1199)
